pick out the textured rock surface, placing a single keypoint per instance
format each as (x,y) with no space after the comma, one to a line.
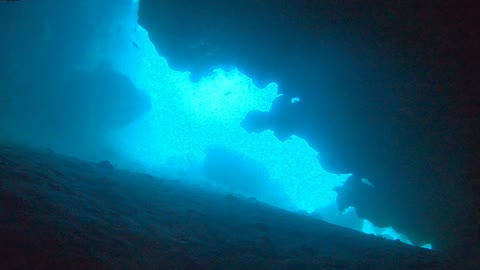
(63,213)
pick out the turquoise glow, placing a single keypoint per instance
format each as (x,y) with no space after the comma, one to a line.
(388,233)
(187,117)
(295,99)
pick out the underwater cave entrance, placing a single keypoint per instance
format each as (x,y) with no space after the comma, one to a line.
(193,131)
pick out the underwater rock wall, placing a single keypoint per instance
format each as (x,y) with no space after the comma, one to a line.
(57,88)
(382,91)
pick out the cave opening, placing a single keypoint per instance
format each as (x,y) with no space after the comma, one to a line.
(193,132)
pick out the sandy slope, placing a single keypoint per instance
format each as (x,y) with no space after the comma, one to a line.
(59,212)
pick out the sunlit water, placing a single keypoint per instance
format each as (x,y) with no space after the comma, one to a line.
(187,117)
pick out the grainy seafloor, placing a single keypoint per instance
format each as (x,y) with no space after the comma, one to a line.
(58,212)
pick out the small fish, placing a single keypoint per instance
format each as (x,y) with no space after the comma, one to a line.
(136,45)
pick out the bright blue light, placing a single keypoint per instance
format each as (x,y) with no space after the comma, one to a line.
(388,233)
(295,99)
(187,117)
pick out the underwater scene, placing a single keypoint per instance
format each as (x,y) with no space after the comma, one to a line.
(143,134)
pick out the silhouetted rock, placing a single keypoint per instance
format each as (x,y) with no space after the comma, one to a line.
(383,94)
